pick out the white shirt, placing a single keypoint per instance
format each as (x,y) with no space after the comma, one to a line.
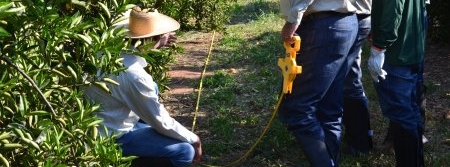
(363,6)
(294,10)
(135,98)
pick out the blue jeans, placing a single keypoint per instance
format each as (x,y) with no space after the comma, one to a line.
(144,141)
(397,96)
(353,87)
(314,108)
(356,118)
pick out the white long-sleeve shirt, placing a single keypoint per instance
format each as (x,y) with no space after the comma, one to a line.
(135,98)
(294,10)
(363,6)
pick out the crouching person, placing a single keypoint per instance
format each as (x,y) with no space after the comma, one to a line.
(158,139)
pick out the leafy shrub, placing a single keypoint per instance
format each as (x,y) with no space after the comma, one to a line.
(48,49)
(195,14)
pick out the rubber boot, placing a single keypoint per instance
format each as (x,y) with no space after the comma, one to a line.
(151,162)
(356,119)
(408,147)
(316,152)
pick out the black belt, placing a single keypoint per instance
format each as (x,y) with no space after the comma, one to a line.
(362,16)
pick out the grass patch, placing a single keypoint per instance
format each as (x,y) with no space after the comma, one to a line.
(240,104)
(219,79)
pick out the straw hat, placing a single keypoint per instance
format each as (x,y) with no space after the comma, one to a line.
(145,23)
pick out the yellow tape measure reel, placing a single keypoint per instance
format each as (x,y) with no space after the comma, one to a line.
(288,64)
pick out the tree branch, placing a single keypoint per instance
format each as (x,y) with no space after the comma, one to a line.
(32,83)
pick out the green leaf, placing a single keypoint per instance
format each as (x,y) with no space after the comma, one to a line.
(15,10)
(6,10)
(102,85)
(5,5)
(59,73)
(31,143)
(4,160)
(11,11)
(8,86)
(41,112)
(129,6)
(22,105)
(48,93)
(96,122)
(75,21)
(4,135)
(105,9)
(86,39)
(81,108)
(12,145)
(94,108)
(72,72)
(119,20)
(8,109)
(65,89)
(115,3)
(4,33)
(109,80)
(129,158)
(80,3)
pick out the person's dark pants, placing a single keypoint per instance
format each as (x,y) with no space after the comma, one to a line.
(313,111)
(398,101)
(356,119)
(421,91)
(150,146)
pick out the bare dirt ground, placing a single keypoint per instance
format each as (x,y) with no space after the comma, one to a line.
(437,78)
(437,71)
(186,72)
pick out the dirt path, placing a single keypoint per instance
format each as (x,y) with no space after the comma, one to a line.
(437,69)
(185,73)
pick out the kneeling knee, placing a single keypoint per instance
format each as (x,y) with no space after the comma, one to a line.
(184,156)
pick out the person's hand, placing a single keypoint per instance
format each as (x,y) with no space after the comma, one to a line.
(375,63)
(287,32)
(198,151)
(166,39)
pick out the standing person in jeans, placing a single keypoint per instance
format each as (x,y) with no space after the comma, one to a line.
(161,140)
(398,47)
(421,91)
(356,119)
(312,112)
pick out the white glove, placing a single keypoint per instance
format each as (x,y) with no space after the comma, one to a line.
(375,63)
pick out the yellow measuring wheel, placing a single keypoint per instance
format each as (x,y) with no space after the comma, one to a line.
(288,65)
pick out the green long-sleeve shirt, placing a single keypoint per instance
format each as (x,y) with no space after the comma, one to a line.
(399,26)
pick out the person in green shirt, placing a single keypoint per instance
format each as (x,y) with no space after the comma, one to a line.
(398,46)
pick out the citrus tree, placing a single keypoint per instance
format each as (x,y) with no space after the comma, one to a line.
(195,14)
(48,49)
